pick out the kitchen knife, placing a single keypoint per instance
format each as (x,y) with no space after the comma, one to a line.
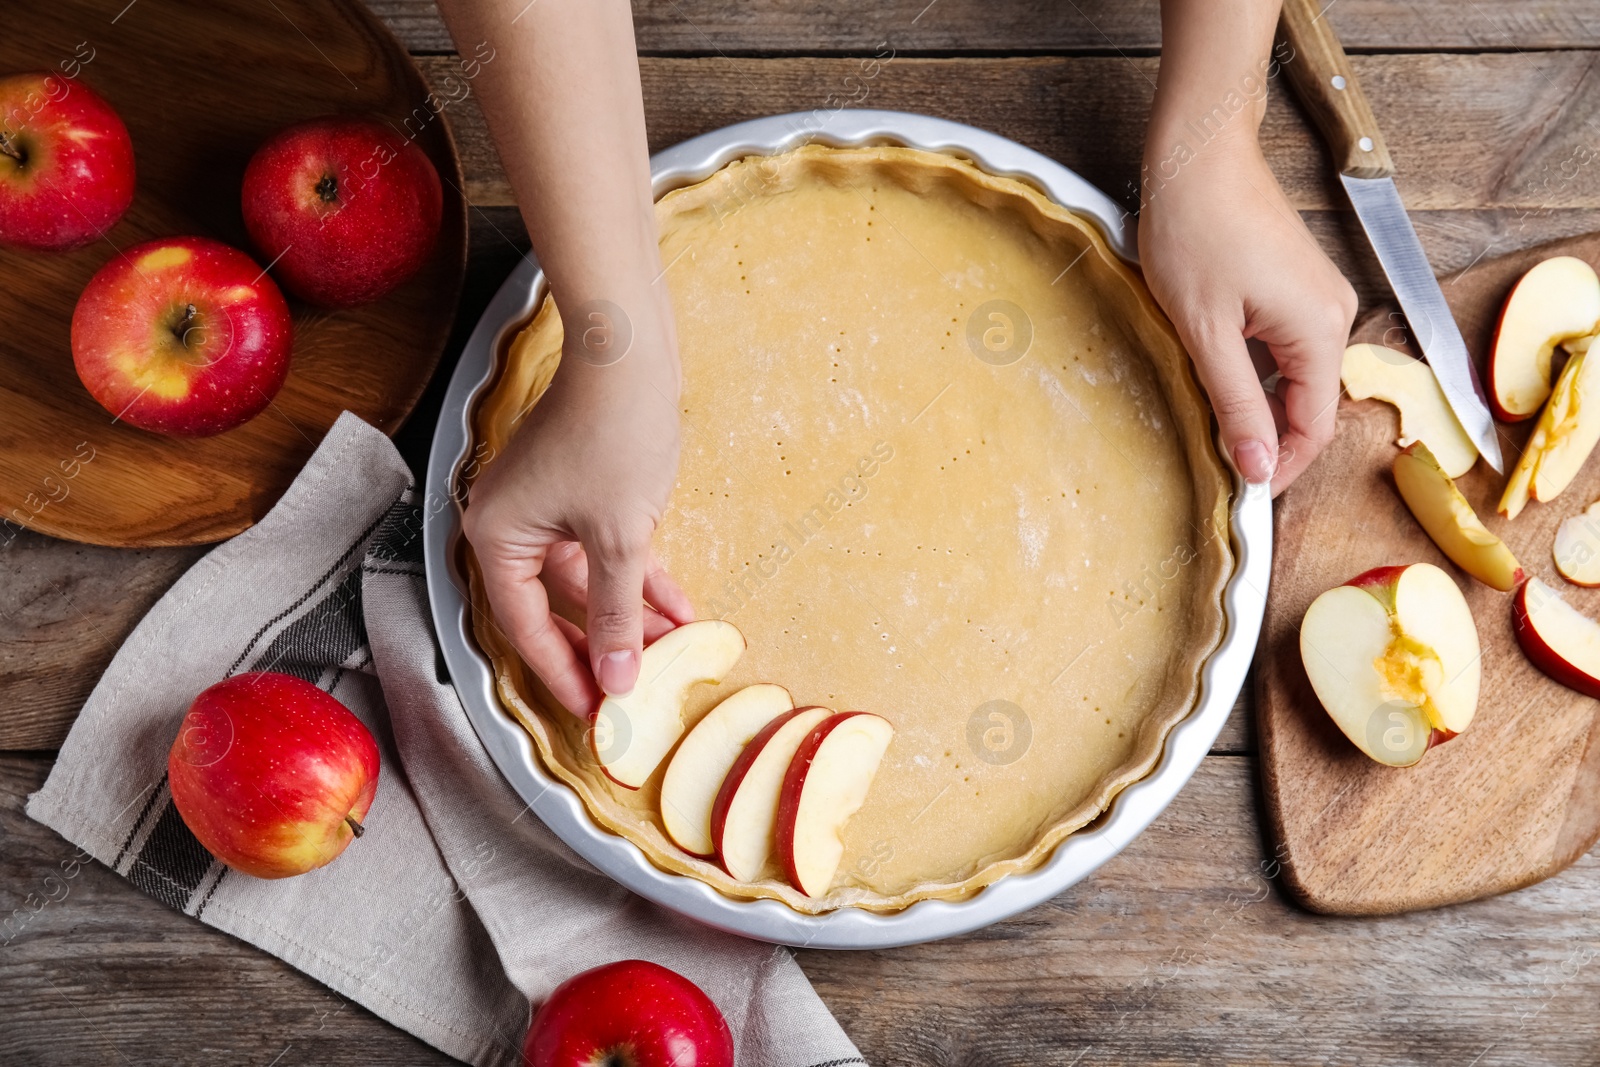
(1328,88)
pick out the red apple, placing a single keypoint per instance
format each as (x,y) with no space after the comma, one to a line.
(183,336)
(1558,639)
(1555,304)
(66,163)
(344,209)
(1393,656)
(744,815)
(826,783)
(272,774)
(628,1014)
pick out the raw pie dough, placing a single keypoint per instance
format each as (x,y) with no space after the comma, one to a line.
(1001,526)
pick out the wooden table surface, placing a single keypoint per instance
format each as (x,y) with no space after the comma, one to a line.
(1181,950)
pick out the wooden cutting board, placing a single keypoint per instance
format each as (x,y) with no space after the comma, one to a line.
(1515,798)
(199,86)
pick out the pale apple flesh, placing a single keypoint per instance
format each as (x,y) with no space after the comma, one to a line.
(1393,657)
(744,818)
(826,783)
(703,759)
(1566,433)
(1448,518)
(1554,303)
(1577,548)
(632,734)
(1559,640)
(1373,371)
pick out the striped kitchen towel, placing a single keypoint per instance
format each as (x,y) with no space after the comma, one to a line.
(457,908)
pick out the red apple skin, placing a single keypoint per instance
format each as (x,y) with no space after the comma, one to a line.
(1492,392)
(149,365)
(794,783)
(736,773)
(272,774)
(633,1014)
(66,163)
(344,209)
(1542,655)
(1378,577)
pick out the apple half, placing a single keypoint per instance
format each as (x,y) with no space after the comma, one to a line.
(1560,640)
(702,762)
(1448,518)
(1566,433)
(1577,548)
(1373,371)
(632,734)
(826,783)
(1556,302)
(1393,656)
(744,817)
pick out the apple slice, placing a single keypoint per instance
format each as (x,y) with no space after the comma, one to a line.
(706,755)
(1565,435)
(1409,384)
(1393,656)
(1555,302)
(1577,548)
(744,817)
(1560,640)
(1448,518)
(826,783)
(632,734)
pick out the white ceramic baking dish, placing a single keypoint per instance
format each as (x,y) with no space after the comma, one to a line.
(768,920)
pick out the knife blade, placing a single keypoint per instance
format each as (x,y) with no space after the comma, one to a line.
(1311,55)
(1383,216)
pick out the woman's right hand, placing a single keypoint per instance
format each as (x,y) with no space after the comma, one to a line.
(561,521)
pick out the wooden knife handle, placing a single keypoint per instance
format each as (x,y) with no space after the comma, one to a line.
(1328,88)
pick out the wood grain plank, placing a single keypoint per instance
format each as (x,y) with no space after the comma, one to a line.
(64,611)
(1179,951)
(1507,132)
(1182,951)
(709,27)
(94,971)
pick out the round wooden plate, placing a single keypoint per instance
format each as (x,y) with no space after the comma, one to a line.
(200,86)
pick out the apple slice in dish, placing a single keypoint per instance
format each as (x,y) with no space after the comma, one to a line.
(1393,657)
(1556,302)
(826,783)
(744,817)
(1565,435)
(1445,514)
(632,734)
(1577,548)
(1560,640)
(706,755)
(1375,371)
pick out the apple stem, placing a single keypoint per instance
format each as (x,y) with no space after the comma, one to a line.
(181,328)
(10,149)
(355,827)
(328,188)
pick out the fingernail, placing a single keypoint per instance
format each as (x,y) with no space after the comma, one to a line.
(1255,461)
(618,672)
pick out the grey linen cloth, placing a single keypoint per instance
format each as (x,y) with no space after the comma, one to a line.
(457,908)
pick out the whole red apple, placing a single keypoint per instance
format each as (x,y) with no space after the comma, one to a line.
(629,1014)
(66,163)
(344,209)
(272,774)
(183,336)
